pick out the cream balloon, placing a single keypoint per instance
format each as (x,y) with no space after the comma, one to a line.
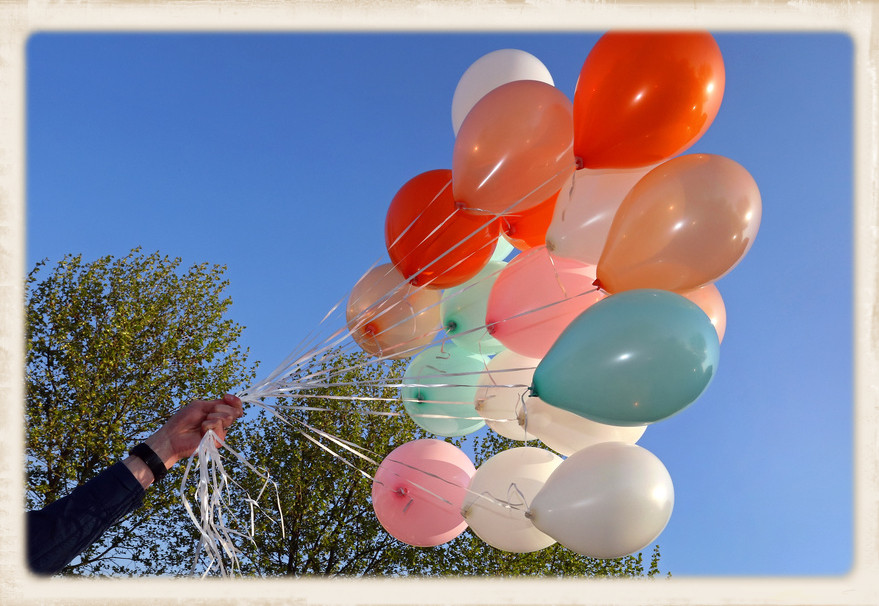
(585,209)
(605,501)
(490,71)
(499,494)
(567,433)
(502,395)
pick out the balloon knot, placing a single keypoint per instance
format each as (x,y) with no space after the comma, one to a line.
(597,284)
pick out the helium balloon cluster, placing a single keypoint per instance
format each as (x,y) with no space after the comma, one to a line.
(557,283)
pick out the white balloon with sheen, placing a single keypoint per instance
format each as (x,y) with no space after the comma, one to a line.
(490,71)
(605,501)
(499,494)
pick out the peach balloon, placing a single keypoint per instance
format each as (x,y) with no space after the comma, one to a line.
(390,318)
(585,209)
(708,298)
(418,490)
(534,299)
(514,149)
(685,224)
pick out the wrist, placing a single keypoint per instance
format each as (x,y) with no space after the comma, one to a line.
(155,464)
(163,449)
(139,470)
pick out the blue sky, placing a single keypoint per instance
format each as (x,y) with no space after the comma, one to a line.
(277,155)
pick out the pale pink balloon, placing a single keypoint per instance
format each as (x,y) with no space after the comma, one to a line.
(709,299)
(534,299)
(585,209)
(418,490)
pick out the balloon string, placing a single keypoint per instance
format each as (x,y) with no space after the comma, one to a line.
(509,503)
(489,327)
(350,447)
(216,536)
(293,362)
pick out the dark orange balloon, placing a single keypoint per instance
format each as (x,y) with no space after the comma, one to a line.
(643,97)
(528,229)
(430,239)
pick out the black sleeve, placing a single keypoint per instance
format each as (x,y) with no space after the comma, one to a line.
(60,531)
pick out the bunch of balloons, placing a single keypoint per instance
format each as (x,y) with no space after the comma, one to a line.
(605,320)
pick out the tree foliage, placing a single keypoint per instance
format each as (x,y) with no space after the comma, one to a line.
(115,346)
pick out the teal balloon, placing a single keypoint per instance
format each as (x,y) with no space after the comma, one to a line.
(439,390)
(636,357)
(463,311)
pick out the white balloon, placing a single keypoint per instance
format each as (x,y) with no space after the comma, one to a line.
(566,432)
(502,395)
(585,209)
(499,494)
(605,501)
(490,71)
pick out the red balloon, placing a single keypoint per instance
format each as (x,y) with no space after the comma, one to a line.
(527,229)
(430,239)
(643,97)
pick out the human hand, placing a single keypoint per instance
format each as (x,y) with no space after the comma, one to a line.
(180,436)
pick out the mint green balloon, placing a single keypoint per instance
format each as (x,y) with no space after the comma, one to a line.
(463,311)
(439,390)
(636,357)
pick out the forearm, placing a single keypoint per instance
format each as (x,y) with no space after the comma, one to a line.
(60,531)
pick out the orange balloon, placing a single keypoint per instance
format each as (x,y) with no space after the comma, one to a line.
(643,97)
(709,300)
(430,239)
(514,149)
(390,318)
(528,229)
(685,224)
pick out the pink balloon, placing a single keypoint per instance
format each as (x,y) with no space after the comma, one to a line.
(418,491)
(534,299)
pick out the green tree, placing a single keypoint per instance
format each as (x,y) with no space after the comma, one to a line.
(330,527)
(114,347)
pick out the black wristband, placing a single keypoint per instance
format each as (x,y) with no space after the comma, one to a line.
(152,460)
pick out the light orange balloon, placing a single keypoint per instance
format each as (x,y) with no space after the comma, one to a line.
(685,224)
(709,300)
(515,148)
(390,318)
